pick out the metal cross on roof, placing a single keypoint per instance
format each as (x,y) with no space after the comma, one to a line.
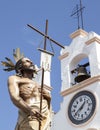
(78,13)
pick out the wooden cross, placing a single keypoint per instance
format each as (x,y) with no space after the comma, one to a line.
(46,36)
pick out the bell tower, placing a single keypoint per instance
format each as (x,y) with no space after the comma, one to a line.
(80,75)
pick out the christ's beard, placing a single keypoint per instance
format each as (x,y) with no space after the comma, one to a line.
(31,68)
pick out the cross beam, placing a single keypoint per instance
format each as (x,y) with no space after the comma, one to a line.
(45,35)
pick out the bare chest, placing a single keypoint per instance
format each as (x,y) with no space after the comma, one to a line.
(28,90)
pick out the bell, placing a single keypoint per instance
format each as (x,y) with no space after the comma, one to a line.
(82,74)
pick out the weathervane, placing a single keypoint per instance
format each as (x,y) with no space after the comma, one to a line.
(78,13)
(46,52)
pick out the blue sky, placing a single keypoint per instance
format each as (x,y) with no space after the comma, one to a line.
(14,33)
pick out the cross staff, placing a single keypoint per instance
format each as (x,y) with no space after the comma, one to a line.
(44,50)
(42,82)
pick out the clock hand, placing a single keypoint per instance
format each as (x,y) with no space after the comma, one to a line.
(81,107)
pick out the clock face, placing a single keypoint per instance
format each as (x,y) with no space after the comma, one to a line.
(81,107)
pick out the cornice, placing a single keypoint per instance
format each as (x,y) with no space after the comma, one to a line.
(94,39)
(78,32)
(81,85)
(47,87)
(64,56)
(93,129)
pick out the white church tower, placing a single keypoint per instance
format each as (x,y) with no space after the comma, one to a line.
(80,108)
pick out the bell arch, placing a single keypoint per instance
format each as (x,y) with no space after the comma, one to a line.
(79,69)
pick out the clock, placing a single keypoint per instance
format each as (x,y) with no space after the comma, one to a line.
(82,107)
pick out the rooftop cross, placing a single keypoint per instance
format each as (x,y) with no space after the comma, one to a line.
(78,13)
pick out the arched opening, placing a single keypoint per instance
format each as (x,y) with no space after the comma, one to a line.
(79,69)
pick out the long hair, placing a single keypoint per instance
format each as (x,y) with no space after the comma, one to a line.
(18,67)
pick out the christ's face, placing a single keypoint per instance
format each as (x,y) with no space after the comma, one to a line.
(27,63)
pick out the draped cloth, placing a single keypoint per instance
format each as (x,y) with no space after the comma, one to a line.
(26,122)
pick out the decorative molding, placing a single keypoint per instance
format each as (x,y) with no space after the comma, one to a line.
(47,87)
(64,56)
(81,85)
(95,39)
(92,129)
(78,32)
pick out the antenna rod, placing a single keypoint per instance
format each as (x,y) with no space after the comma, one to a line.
(78,16)
(81,13)
(45,36)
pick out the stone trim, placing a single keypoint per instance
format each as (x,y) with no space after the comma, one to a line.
(95,39)
(78,32)
(47,87)
(92,129)
(81,85)
(64,56)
